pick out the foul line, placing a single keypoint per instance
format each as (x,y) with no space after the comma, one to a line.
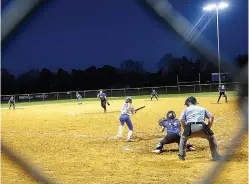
(226,115)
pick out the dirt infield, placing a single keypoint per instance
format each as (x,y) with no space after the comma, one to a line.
(74,144)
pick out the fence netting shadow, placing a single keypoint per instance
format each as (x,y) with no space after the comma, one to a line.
(171,18)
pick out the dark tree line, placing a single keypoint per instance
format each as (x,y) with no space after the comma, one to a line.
(130,74)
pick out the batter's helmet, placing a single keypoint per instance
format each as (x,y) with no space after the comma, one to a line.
(171,115)
(128,99)
(190,100)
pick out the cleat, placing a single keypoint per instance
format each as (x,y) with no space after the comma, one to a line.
(118,136)
(156,151)
(129,140)
(181,157)
(216,158)
(191,149)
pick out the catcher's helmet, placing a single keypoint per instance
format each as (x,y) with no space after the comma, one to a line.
(190,100)
(171,115)
(128,99)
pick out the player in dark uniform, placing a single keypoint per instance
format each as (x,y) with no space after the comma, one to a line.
(79,97)
(222,90)
(154,94)
(12,102)
(103,100)
(173,127)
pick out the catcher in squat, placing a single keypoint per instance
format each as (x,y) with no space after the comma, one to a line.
(173,127)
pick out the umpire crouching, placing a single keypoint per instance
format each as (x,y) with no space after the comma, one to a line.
(192,120)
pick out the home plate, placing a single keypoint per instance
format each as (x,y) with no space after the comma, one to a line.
(126,148)
(113,137)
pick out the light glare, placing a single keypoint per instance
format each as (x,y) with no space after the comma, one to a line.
(223,5)
(211,7)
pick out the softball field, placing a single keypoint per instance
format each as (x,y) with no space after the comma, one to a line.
(74,143)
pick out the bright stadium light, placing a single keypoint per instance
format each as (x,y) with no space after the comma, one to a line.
(223,5)
(210,7)
(217,7)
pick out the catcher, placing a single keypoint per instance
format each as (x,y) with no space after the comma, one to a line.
(173,127)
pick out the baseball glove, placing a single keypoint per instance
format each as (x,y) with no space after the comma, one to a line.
(108,103)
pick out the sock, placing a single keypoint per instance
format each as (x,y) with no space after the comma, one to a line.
(120,130)
(129,134)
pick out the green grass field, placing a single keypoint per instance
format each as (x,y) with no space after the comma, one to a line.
(208,94)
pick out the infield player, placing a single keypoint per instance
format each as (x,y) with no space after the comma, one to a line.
(154,94)
(12,102)
(173,129)
(126,110)
(79,97)
(222,90)
(193,121)
(103,100)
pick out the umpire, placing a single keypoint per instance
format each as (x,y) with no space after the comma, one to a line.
(192,119)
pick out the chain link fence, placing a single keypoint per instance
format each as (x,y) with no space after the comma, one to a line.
(165,12)
(194,88)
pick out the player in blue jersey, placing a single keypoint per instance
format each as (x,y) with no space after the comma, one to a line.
(12,102)
(103,100)
(222,90)
(79,97)
(154,94)
(173,127)
(126,110)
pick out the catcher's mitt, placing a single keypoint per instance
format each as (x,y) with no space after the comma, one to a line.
(108,103)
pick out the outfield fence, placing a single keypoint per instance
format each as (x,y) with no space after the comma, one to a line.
(193,88)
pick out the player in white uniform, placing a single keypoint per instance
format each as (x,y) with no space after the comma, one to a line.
(126,110)
(79,97)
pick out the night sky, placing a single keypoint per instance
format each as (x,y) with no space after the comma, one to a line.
(80,33)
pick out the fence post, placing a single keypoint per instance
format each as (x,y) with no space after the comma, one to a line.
(124,92)
(138,91)
(43,96)
(29,97)
(111,92)
(166,90)
(210,88)
(84,95)
(178,84)
(57,96)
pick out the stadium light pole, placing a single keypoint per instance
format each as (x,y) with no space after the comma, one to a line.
(217,7)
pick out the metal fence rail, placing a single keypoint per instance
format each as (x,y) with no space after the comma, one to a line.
(193,88)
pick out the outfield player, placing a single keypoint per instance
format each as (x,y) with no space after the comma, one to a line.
(154,94)
(222,90)
(173,129)
(79,97)
(193,121)
(126,110)
(103,100)
(12,102)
